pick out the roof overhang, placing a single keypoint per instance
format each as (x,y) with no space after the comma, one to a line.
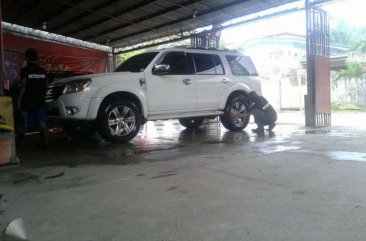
(124,23)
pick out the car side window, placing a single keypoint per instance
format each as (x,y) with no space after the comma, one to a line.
(208,64)
(218,64)
(241,65)
(177,62)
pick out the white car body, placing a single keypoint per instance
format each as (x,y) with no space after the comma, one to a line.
(159,96)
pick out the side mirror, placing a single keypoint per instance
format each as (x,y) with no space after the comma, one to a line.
(160,69)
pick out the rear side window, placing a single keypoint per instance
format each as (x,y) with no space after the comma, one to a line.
(218,64)
(241,65)
(177,62)
(208,64)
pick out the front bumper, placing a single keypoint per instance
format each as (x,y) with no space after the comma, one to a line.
(71,106)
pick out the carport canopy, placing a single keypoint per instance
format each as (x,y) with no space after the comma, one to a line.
(124,23)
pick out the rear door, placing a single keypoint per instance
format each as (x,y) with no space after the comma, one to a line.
(210,80)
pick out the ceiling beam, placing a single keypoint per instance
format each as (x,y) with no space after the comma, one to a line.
(24,17)
(201,13)
(109,17)
(144,18)
(188,35)
(51,15)
(74,20)
(42,35)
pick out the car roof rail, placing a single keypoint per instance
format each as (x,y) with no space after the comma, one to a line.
(204,48)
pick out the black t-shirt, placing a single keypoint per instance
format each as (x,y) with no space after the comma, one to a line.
(259,103)
(35,87)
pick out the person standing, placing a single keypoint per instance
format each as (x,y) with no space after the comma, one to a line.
(32,93)
(263,112)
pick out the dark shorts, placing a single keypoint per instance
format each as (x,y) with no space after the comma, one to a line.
(264,117)
(33,118)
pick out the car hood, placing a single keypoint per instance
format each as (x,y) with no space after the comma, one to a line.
(103,77)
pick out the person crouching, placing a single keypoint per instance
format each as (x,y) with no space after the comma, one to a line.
(263,112)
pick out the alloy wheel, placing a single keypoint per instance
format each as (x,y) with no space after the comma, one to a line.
(238,114)
(121,120)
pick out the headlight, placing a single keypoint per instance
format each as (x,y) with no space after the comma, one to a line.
(76,86)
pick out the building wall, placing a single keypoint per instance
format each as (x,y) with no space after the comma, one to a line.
(349,91)
(284,79)
(279,62)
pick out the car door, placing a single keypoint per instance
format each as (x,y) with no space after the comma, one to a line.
(173,90)
(210,80)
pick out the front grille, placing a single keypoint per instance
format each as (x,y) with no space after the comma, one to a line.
(53,91)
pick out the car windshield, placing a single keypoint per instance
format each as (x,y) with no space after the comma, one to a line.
(136,63)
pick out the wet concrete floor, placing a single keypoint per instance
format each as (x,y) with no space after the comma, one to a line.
(174,184)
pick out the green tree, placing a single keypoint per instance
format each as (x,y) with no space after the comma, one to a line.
(341,34)
(123,57)
(354,71)
(353,37)
(360,40)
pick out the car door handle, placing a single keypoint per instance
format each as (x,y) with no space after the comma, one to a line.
(187,81)
(225,81)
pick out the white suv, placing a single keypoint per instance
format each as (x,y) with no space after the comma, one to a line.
(178,83)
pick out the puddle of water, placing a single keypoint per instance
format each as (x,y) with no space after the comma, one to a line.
(55,176)
(315,132)
(278,148)
(346,156)
(24,178)
(335,133)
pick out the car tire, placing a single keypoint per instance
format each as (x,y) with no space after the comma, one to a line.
(118,121)
(191,123)
(78,129)
(236,116)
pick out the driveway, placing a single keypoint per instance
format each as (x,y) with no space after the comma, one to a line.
(173,184)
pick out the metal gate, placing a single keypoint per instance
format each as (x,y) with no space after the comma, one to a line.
(317,100)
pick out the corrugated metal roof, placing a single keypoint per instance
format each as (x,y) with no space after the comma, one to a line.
(122,23)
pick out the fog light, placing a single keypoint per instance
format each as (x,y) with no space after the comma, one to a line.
(72,110)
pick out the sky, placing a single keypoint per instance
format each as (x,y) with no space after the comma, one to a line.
(351,11)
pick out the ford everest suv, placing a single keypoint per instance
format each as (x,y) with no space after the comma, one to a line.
(178,83)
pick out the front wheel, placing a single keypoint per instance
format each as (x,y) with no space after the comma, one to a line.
(119,121)
(191,123)
(236,116)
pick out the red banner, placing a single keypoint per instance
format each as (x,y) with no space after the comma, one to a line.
(53,57)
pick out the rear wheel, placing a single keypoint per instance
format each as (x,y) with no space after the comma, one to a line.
(191,123)
(236,116)
(78,129)
(119,121)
